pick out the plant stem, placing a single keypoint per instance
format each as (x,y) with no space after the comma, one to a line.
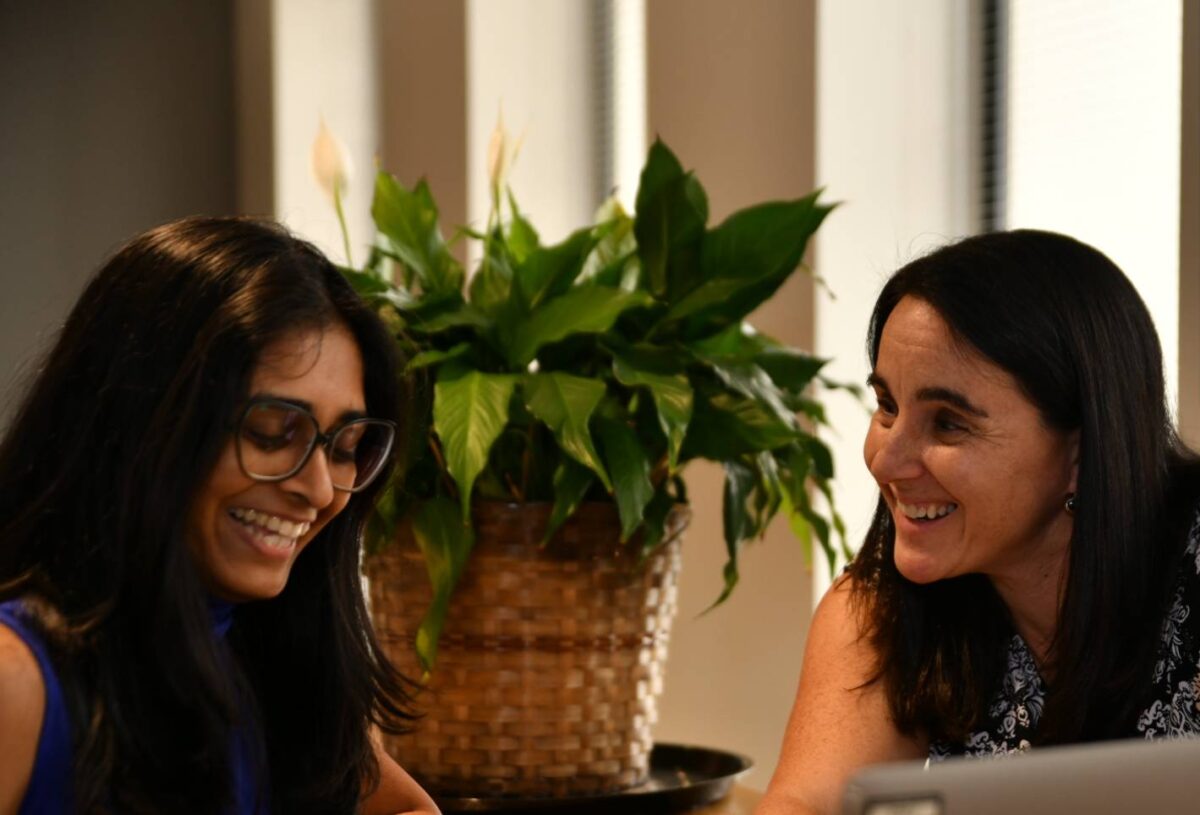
(337,205)
(526,456)
(517,492)
(441,462)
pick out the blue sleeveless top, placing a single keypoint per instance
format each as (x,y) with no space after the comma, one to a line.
(49,791)
(49,788)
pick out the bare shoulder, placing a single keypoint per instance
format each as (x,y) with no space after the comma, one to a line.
(396,792)
(836,615)
(22,703)
(840,720)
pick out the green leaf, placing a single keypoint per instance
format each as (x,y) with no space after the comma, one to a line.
(410,222)
(655,521)
(799,526)
(763,240)
(436,357)
(469,411)
(839,525)
(713,293)
(746,259)
(521,238)
(803,519)
(672,394)
(491,285)
(768,494)
(812,409)
(672,211)
(582,310)
(375,290)
(736,522)
(789,368)
(565,403)
(385,515)
(549,272)
(445,541)
(822,458)
(571,483)
(749,380)
(627,461)
(445,312)
(609,263)
(363,283)
(736,343)
(725,426)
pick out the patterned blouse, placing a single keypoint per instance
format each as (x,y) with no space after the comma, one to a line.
(1017,706)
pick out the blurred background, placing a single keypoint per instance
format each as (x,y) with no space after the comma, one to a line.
(928,119)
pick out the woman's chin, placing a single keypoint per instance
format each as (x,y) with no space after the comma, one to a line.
(918,567)
(249,585)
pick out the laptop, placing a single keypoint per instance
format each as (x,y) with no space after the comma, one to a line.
(1135,776)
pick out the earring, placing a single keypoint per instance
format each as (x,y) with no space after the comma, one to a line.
(1070,504)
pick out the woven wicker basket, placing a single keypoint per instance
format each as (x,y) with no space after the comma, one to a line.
(550,661)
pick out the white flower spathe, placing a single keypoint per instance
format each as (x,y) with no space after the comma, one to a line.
(330,163)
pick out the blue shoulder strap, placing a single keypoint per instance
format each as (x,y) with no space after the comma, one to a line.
(49,791)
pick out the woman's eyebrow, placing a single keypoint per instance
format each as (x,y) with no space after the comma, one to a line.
(953,397)
(935,394)
(346,415)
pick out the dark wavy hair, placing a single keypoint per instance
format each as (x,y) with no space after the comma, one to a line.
(119,431)
(1068,325)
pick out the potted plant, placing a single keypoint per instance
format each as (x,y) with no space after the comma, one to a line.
(556,394)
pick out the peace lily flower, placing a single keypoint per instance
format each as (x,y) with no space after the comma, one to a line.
(331,169)
(331,166)
(502,153)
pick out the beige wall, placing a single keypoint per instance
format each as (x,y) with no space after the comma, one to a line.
(116,118)
(730,88)
(423,98)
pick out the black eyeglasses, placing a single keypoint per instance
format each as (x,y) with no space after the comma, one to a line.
(275,439)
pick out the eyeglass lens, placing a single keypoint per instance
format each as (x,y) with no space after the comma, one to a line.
(275,442)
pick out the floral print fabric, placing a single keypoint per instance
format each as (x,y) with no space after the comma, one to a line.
(1017,706)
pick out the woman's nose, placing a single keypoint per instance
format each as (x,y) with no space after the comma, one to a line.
(313,481)
(893,453)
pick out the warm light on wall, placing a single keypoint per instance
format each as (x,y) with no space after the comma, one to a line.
(1094,137)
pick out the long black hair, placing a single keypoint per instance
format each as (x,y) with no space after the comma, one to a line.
(120,429)
(1071,329)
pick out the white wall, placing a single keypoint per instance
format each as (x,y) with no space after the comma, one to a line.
(1094,137)
(324,65)
(533,61)
(894,144)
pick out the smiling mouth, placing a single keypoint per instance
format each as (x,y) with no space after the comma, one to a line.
(925,512)
(271,530)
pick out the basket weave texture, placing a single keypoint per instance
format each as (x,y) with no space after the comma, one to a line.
(551,659)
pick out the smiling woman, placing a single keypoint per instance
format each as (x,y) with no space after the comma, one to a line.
(1033,565)
(974,479)
(182,501)
(249,524)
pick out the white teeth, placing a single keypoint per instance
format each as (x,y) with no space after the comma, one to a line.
(271,529)
(926,511)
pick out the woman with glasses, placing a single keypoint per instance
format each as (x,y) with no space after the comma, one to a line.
(183,494)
